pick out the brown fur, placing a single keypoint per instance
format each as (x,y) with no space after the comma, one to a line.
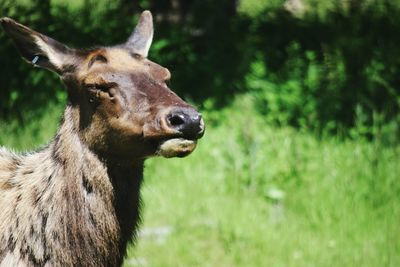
(76,202)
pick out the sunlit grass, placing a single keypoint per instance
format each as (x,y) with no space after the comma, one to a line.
(33,131)
(256,195)
(340,205)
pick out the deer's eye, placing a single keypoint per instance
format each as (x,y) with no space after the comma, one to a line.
(137,56)
(100,86)
(100,58)
(102,89)
(97,58)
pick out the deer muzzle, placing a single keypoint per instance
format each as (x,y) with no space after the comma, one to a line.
(188,126)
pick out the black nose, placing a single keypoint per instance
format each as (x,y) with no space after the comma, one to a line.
(187,121)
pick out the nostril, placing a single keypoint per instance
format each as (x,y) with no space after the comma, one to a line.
(176,120)
(187,122)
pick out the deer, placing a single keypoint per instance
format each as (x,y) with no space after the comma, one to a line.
(76,201)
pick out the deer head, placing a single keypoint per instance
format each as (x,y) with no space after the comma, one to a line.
(121,104)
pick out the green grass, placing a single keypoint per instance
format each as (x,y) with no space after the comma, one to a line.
(256,195)
(36,128)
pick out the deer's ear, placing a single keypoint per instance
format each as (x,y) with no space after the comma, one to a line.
(140,40)
(38,49)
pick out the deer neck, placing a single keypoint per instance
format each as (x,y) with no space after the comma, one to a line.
(113,183)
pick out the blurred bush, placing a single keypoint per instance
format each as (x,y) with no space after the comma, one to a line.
(329,66)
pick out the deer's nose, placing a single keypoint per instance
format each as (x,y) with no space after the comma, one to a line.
(187,121)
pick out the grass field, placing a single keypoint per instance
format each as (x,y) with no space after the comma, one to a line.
(256,195)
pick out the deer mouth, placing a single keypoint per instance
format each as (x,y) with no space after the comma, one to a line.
(176,147)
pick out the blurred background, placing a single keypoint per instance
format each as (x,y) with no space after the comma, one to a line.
(300,164)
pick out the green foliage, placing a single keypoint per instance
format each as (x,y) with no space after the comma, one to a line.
(254,8)
(320,71)
(255,195)
(289,99)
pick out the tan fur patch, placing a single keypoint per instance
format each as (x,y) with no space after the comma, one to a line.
(120,59)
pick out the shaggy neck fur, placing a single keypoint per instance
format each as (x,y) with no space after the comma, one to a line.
(72,209)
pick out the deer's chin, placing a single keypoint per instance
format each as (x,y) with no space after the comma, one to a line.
(176,147)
